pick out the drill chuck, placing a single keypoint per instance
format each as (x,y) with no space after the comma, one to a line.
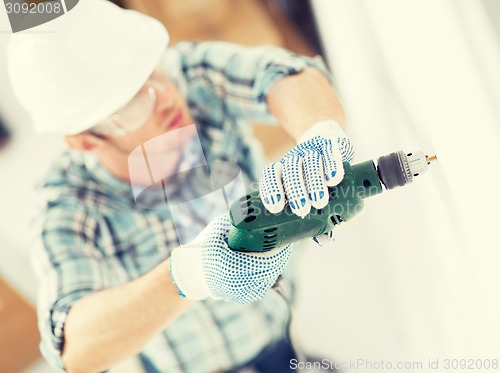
(399,168)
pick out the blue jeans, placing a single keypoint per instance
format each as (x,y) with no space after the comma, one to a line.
(273,359)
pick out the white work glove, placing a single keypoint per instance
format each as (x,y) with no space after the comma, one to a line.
(302,176)
(207,267)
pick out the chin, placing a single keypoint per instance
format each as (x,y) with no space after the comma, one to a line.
(183,133)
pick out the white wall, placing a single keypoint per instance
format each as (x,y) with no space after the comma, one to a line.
(492,8)
(26,157)
(415,277)
(20,164)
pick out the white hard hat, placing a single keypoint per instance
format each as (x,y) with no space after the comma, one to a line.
(78,69)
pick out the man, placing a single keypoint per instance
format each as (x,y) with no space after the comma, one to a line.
(113,279)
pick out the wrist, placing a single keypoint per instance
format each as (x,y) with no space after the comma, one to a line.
(328,128)
(186,272)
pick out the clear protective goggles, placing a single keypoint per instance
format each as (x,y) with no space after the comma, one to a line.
(133,115)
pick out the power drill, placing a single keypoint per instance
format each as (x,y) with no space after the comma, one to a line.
(255,229)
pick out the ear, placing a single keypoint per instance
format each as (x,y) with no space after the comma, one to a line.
(84,142)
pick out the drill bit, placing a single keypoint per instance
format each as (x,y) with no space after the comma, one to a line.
(431,158)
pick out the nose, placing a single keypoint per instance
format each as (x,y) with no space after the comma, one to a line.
(164,99)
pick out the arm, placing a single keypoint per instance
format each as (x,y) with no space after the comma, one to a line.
(108,326)
(267,84)
(245,78)
(299,101)
(90,326)
(307,107)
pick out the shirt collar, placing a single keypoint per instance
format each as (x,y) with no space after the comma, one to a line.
(105,178)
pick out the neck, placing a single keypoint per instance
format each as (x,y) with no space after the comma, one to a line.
(118,169)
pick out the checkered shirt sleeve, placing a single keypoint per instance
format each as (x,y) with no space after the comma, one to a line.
(240,76)
(68,267)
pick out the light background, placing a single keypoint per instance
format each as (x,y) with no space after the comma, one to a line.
(416,275)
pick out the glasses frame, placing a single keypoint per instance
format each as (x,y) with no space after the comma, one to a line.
(116,125)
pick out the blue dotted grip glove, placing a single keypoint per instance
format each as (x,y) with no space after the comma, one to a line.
(302,176)
(207,267)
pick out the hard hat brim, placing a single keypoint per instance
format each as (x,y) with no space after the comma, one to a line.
(80,68)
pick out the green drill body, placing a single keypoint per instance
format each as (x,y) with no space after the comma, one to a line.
(255,229)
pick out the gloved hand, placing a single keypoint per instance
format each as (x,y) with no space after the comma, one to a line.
(302,176)
(207,267)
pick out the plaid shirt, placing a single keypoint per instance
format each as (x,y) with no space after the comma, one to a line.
(91,234)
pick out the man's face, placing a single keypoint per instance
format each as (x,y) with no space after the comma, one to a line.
(161,113)
(169,112)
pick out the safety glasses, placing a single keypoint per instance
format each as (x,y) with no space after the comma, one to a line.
(133,115)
